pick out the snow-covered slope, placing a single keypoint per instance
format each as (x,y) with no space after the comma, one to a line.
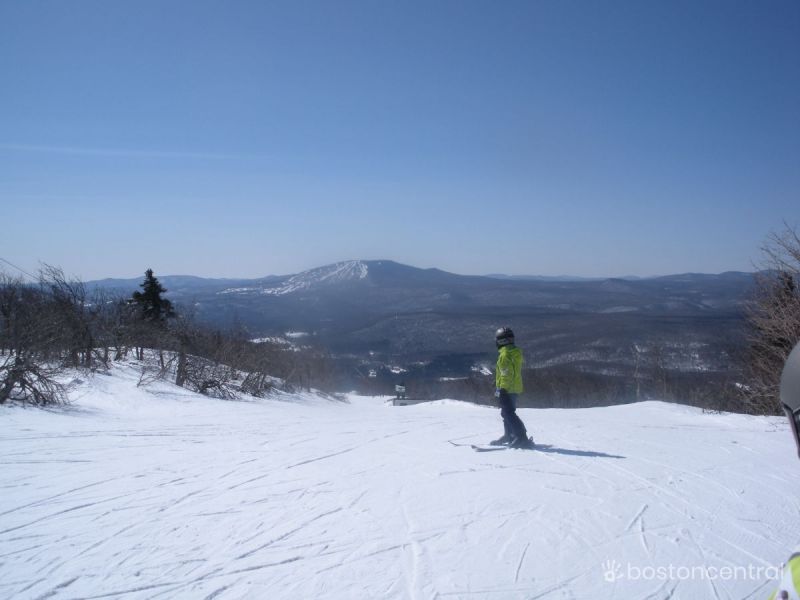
(353,270)
(343,272)
(159,493)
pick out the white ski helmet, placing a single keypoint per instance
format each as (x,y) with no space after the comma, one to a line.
(790,392)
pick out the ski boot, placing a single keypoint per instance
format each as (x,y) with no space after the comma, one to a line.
(501,441)
(522,443)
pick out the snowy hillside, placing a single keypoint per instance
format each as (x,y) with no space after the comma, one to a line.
(343,272)
(160,493)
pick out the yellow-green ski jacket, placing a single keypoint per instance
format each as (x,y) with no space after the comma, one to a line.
(509,369)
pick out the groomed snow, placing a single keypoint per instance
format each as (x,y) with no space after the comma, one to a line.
(159,493)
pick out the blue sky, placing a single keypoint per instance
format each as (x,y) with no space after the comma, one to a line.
(251,138)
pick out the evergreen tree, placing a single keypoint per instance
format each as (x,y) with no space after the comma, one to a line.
(152,306)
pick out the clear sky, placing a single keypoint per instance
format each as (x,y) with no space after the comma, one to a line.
(235,138)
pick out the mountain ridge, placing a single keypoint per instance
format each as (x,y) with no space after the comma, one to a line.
(409,315)
(368,266)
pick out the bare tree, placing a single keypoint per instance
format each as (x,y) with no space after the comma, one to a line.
(26,380)
(27,339)
(69,317)
(773,318)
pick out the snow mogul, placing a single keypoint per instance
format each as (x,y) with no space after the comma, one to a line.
(508,385)
(790,398)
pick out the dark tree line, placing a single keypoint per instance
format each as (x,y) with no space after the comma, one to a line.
(56,324)
(566,386)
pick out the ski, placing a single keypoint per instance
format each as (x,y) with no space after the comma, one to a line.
(479,448)
(488,448)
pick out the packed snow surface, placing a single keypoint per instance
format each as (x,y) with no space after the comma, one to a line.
(160,493)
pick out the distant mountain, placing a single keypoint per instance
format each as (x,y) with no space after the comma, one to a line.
(407,314)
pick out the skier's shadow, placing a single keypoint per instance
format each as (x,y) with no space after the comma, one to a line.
(554,450)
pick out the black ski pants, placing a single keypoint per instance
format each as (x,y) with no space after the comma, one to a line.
(512,424)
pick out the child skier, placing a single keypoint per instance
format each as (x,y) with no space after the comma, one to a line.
(508,384)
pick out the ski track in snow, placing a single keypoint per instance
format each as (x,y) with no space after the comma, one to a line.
(157,493)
